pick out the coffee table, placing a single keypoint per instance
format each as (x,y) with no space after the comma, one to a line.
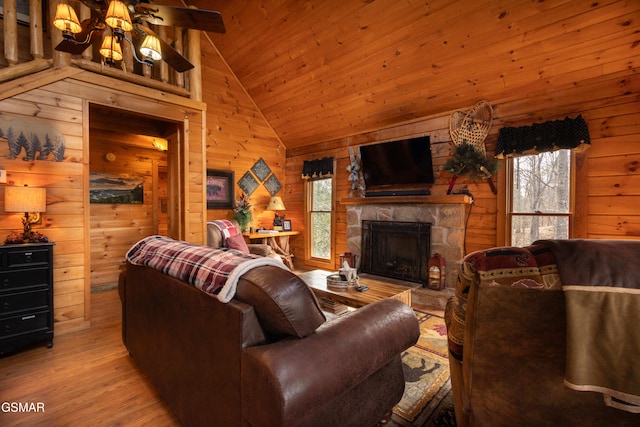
(378,290)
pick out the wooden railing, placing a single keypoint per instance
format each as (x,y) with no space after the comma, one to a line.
(18,63)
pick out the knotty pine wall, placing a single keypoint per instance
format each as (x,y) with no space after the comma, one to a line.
(238,135)
(609,197)
(116,227)
(60,99)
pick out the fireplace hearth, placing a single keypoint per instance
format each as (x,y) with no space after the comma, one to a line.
(396,249)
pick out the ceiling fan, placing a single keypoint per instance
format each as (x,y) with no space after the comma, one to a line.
(121,16)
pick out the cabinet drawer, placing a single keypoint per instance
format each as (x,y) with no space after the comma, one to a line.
(24,278)
(30,322)
(24,258)
(21,301)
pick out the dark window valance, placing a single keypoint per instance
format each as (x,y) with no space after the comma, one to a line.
(320,168)
(541,137)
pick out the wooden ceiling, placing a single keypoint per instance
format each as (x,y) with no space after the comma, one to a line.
(321,70)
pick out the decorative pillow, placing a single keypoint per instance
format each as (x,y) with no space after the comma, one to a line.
(237,242)
(284,304)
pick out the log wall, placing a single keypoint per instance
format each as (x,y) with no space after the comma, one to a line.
(59,100)
(611,199)
(238,135)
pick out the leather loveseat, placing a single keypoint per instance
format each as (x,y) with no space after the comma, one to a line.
(266,358)
(510,333)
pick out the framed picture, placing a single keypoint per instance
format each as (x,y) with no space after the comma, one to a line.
(220,186)
(112,188)
(286,225)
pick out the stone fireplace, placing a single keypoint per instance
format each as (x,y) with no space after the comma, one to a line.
(396,249)
(445,214)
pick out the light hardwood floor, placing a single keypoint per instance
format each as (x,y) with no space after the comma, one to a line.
(86,379)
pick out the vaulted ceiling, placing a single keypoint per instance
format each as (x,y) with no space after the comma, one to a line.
(320,70)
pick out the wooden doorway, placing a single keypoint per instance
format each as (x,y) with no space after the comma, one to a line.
(134,182)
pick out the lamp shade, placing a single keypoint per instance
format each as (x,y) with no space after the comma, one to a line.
(118,16)
(275,204)
(25,199)
(150,47)
(111,49)
(66,19)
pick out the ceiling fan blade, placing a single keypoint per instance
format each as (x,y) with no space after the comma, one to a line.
(91,31)
(169,54)
(198,19)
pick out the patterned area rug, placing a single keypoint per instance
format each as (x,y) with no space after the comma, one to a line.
(427,399)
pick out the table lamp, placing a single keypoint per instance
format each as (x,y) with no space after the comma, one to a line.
(29,200)
(276,204)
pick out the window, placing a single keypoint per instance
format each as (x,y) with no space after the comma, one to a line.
(540,197)
(320,218)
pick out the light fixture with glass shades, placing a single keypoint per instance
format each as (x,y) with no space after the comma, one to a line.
(118,20)
(127,20)
(30,200)
(276,204)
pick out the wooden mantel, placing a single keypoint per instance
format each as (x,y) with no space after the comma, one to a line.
(449,199)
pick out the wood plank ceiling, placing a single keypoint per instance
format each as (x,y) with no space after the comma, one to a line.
(320,70)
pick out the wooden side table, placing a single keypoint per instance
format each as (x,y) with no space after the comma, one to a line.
(279,242)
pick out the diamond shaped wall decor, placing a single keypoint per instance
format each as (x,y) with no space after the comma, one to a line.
(261,169)
(272,185)
(248,183)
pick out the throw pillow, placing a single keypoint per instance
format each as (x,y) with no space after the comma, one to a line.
(237,242)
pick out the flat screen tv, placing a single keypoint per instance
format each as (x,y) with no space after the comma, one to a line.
(397,163)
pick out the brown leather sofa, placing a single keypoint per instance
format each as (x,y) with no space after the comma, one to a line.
(507,329)
(266,358)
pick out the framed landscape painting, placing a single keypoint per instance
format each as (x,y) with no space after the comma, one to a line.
(111,188)
(220,194)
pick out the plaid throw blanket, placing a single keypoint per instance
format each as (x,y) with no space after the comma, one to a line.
(226,228)
(213,270)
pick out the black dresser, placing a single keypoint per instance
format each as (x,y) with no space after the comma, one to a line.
(26,295)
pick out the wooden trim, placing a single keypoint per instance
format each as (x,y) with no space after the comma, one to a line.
(502,201)
(131,78)
(31,75)
(184,180)
(203,149)
(87,212)
(450,199)
(195,74)
(581,194)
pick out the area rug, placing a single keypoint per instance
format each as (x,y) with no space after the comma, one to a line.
(427,399)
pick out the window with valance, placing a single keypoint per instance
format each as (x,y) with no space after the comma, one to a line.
(320,168)
(540,184)
(543,137)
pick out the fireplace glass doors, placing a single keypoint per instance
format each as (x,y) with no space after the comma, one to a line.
(396,249)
